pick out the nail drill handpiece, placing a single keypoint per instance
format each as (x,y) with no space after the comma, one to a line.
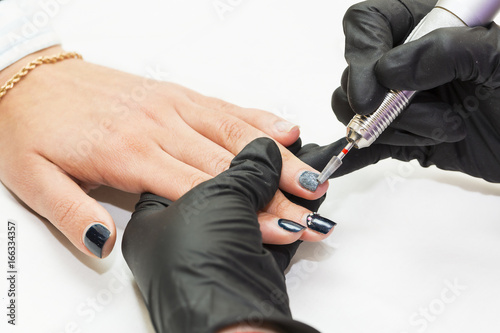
(362,131)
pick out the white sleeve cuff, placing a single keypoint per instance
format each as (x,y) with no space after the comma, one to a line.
(22,34)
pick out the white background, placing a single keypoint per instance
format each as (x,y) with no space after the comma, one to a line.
(404,234)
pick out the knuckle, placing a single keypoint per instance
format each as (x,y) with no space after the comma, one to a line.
(282,206)
(213,103)
(232,130)
(129,144)
(287,158)
(221,164)
(222,105)
(195,180)
(359,11)
(351,12)
(65,213)
(150,113)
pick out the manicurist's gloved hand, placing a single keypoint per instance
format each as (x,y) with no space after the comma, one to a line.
(200,263)
(454,122)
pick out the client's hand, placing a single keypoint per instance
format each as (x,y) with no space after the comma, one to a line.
(71,126)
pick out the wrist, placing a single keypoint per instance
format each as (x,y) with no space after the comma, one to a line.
(11,70)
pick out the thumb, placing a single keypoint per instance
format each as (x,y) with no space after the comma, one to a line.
(55,196)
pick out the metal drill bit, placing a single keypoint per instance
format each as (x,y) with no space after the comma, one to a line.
(334,164)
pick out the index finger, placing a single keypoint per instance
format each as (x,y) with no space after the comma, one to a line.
(234,134)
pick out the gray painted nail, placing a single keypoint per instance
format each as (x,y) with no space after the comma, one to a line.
(309,180)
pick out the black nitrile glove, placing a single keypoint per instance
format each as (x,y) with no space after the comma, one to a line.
(454,121)
(200,263)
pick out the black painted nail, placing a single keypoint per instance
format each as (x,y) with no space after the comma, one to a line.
(319,223)
(309,180)
(290,225)
(95,237)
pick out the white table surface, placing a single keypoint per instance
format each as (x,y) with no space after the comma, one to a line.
(408,239)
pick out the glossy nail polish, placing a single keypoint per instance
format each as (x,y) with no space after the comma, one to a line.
(319,223)
(309,180)
(290,225)
(95,237)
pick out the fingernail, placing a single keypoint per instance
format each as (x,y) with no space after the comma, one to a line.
(319,223)
(309,180)
(284,126)
(95,237)
(290,225)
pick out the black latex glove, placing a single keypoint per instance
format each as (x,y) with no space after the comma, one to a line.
(454,122)
(200,263)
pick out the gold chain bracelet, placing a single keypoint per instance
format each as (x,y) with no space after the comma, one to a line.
(32,65)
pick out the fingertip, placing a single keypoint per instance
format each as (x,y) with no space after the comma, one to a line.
(99,239)
(318,227)
(341,107)
(89,226)
(308,186)
(322,189)
(309,180)
(278,128)
(285,132)
(364,101)
(313,236)
(300,179)
(392,69)
(56,196)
